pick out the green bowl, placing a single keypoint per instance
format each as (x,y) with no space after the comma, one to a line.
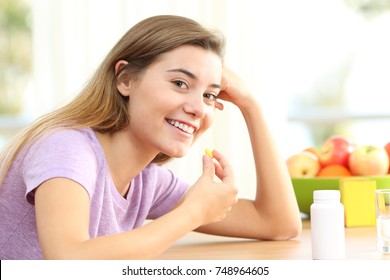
(304,187)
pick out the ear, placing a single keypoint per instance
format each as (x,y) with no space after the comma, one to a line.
(123,85)
(119,65)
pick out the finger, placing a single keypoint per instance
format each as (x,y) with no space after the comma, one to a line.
(218,170)
(208,167)
(225,82)
(226,169)
(223,95)
(219,105)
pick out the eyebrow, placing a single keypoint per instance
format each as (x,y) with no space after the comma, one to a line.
(191,75)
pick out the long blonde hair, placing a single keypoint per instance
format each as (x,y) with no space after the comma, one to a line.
(99,105)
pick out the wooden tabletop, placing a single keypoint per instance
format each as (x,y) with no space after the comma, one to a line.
(360,244)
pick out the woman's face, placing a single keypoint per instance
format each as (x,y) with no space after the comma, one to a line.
(173,102)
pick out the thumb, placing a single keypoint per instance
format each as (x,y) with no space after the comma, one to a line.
(208,167)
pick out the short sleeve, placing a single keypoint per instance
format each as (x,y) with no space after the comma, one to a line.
(64,154)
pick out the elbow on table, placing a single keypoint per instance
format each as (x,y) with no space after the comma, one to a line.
(290,232)
(284,231)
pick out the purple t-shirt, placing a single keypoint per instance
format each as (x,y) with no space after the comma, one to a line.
(77,155)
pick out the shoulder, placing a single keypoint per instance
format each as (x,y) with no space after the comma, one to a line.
(79,142)
(67,136)
(72,154)
(67,147)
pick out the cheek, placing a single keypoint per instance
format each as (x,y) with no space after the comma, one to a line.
(208,119)
(207,122)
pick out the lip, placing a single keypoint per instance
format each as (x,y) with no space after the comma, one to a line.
(195,127)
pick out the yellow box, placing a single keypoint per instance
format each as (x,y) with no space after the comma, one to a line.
(358,198)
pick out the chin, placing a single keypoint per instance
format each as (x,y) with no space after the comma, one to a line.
(176,152)
(178,155)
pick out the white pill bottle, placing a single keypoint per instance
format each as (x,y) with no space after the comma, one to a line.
(327,226)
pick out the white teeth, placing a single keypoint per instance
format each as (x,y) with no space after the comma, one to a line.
(182,126)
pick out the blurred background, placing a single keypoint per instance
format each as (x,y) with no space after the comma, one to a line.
(318,67)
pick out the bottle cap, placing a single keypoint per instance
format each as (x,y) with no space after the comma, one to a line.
(326,195)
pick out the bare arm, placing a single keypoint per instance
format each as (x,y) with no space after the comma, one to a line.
(62,211)
(274,214)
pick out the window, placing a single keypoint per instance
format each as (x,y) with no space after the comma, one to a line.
(15,63)
(345,88)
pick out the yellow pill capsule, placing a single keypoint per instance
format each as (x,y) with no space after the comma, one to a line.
(209,152)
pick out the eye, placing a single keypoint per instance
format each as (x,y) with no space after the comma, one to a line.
(210,96)
(180,84)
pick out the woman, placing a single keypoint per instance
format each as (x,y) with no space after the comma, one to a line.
(80,182)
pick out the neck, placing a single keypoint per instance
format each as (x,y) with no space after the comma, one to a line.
(125,158)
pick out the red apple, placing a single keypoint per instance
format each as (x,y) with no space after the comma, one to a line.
(336,150)
(368,160)
(303,165)
(387,148)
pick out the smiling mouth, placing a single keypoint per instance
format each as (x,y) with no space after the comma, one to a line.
(182,126)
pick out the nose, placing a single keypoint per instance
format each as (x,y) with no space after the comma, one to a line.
(195,105)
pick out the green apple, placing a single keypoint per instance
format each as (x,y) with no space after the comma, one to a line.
(303,165)
(368,160)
